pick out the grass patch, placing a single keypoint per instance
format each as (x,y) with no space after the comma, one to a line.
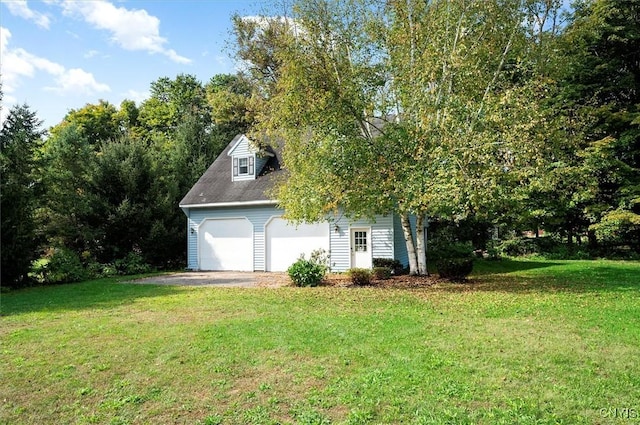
(527,342)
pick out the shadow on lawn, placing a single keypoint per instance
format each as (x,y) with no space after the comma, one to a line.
(484,267)
(96,294)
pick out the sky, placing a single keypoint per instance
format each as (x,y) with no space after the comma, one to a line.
(58,55)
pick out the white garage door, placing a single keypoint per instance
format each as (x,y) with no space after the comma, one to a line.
(285,242)
(226,244)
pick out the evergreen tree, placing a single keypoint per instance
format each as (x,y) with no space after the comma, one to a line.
(20,137)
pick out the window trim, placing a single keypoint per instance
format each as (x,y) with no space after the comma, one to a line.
(237,167)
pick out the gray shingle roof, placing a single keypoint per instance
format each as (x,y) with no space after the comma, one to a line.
(216,186)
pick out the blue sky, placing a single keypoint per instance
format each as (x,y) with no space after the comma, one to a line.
(57,55)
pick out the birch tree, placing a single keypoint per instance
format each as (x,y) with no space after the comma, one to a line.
(408,107)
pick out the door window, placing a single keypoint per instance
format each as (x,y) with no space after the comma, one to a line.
(360,241)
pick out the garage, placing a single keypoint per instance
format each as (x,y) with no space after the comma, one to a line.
(285,242)
(226,244)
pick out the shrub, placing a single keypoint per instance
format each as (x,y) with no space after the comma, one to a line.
(456,269)
(381,273)
(133,263)
(391,263)
(454,260)
(360,276)
(449,249)
(59,265)
(309,272)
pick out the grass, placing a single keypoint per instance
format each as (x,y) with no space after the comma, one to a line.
(528,342)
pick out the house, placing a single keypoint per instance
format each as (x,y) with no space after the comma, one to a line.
(233,224)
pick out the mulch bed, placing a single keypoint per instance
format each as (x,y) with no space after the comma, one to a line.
(402,281)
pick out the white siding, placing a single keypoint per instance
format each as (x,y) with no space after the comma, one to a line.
(243,150)
(382,238)
(382,234)
(400,246)
(257,215)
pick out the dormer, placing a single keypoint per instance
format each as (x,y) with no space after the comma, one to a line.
(246,160)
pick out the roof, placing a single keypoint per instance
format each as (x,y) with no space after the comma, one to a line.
(216,188)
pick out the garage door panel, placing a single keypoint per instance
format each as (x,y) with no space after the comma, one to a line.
(286,242)
(226,244)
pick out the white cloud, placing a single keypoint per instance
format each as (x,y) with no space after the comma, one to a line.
(130,29)
(21,8)
(17,64)
(136,96)
(90,54)
(77,81)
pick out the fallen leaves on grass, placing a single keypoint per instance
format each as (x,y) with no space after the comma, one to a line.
(402,281)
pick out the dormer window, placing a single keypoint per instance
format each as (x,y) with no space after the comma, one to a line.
(243,166)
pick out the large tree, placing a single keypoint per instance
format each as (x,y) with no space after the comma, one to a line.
(412,107)
(601,88)
(20,137)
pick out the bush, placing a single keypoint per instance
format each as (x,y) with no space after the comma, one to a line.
(449,249)
(391,263)
(454,260)
(309,272)
(359,276)
(133,263)
(59,265)
(456,269)
(381,273)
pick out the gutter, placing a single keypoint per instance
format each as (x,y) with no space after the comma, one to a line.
(230,204)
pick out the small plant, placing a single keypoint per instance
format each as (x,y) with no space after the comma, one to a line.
(381,273)
(391,263)
(359,276)
(309,272)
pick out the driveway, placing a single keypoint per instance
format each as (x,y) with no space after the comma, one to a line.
(220,279)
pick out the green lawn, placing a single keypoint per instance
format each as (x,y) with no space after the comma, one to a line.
(529,342)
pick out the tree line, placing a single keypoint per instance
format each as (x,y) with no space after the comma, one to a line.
(99,194)
(470,115)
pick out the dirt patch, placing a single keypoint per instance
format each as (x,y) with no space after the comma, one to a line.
(275,280)
(219,279)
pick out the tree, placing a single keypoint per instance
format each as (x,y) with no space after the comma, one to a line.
(20,138)
(67,158)
(228,96)
(97,122)
(122,195)
(171,100)
(410,107)
(601,89)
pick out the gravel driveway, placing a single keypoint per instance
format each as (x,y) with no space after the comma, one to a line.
(220,279)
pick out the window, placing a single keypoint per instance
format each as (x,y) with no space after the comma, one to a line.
(360,241)
(243,166)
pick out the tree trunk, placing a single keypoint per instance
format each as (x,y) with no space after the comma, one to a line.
(421,246)
(408,238)
(593,241)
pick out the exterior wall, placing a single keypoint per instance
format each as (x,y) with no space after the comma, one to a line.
(381,240)
(261,161)
(400,246)
(243,150)
(382,234)
(258,216)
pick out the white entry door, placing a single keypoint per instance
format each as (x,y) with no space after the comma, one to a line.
(361,248)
